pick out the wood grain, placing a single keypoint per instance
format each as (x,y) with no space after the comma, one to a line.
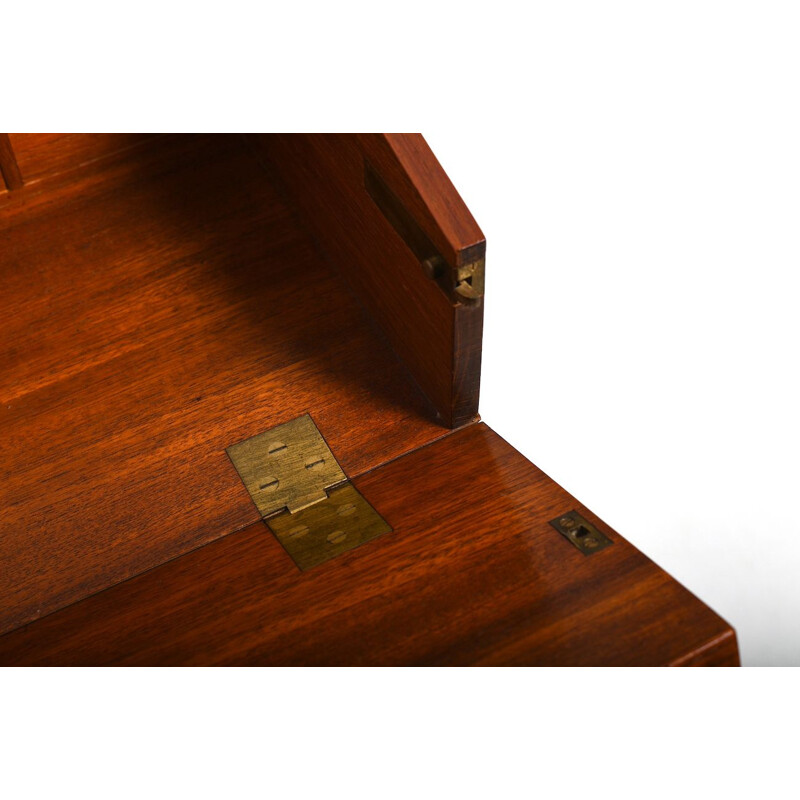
(475,576)
(439,340)
(45,155)
(10,174)
(162,300)
(154,312)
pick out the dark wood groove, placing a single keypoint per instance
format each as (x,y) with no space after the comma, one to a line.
(9,169)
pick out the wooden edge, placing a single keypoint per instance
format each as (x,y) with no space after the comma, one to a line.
(419,180)
(722,651)
(9,170)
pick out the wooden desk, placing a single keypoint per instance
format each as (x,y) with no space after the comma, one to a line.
(165,297)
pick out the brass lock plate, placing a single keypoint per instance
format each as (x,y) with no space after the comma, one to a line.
(303,494)
(580,532)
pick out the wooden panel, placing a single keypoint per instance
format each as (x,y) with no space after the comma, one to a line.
(439,340)
(44,155)
(472,574)
(152,316)
(10,176)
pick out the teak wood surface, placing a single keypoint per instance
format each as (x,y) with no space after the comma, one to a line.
(153,314)
(164,297)
(471,575)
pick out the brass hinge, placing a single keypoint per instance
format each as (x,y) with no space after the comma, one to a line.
(302,493)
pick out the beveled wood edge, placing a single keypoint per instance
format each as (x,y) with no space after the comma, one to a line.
(721,651)
(426,188)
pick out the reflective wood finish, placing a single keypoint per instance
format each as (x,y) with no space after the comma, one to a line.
(472,574)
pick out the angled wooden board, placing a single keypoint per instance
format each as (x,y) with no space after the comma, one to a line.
(437,336)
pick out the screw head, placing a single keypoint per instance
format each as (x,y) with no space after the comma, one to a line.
(337,537)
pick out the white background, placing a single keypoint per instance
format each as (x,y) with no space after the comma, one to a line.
(639,187)
(634,166)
